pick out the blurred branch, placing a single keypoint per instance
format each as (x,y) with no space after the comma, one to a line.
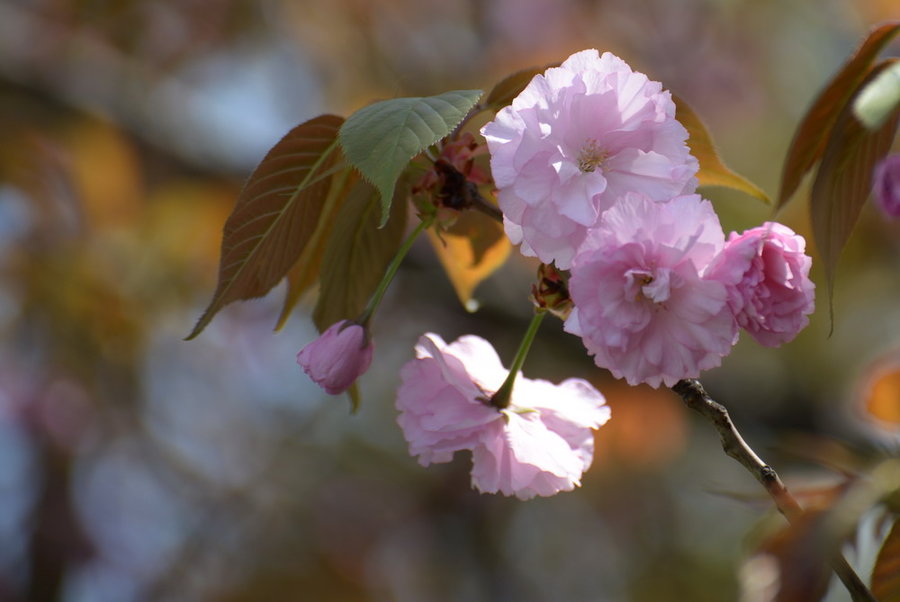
(57,541)
(696,398)
(485,206)
(77,67)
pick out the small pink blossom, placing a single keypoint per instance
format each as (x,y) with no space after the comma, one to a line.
(767,274)
(338,357)
(576,139)
(643,306)
(541,444)
(886,185)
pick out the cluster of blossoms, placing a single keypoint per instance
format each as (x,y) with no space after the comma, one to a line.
(594,175)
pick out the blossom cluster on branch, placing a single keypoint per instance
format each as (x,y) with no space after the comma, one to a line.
(593,174)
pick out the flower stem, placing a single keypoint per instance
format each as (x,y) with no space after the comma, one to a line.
(479,203)
(500,399)
(375,300)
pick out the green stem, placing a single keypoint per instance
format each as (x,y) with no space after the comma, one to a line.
(375,300)
(500,399)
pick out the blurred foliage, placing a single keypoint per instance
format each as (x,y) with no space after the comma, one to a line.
(136,466)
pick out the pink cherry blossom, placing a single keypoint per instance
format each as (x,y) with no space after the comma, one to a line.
(338,357)
(767,274)
(577,138)
(886,185)
(541,444)
(643,306)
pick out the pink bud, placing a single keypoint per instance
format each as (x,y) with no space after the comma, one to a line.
(338,357)
(886,184)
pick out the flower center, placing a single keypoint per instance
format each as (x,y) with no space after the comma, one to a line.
(591,156)
(651,285)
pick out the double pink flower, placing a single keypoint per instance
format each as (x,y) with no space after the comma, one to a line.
(644,307)
(541,444)
(575,140)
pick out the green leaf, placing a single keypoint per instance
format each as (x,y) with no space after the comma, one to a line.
(305,271)
(511,86)
(844,180)
(357,254)
(811,136)
(886,572)
(713,172)
(382,138)
(276,214)
(879,98)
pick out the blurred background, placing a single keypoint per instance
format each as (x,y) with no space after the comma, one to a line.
(135,466)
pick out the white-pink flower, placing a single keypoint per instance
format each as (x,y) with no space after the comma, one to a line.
(338,357)
(767,274)
(577,138)
(541,444)
(643,306)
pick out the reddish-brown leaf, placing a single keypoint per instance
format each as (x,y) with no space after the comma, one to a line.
(801,554)
(713,172)
(305,271)
(358,252)
(844,180)
(275,215)
(511,86)
(886,572)
(811,136)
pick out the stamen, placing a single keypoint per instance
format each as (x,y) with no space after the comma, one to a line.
(591,156)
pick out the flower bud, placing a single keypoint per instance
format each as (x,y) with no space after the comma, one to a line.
(338,357)
(886,185)
(552,292)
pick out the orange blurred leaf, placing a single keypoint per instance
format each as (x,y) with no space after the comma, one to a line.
(106,173)
(276,214)
(844,180)
(882,400)
(357,253)
(886,573)
(511,86)
(470,252)
(713,172)
(811,136)
(648,431)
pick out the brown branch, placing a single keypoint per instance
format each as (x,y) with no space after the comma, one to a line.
(479,203)
(695,397)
